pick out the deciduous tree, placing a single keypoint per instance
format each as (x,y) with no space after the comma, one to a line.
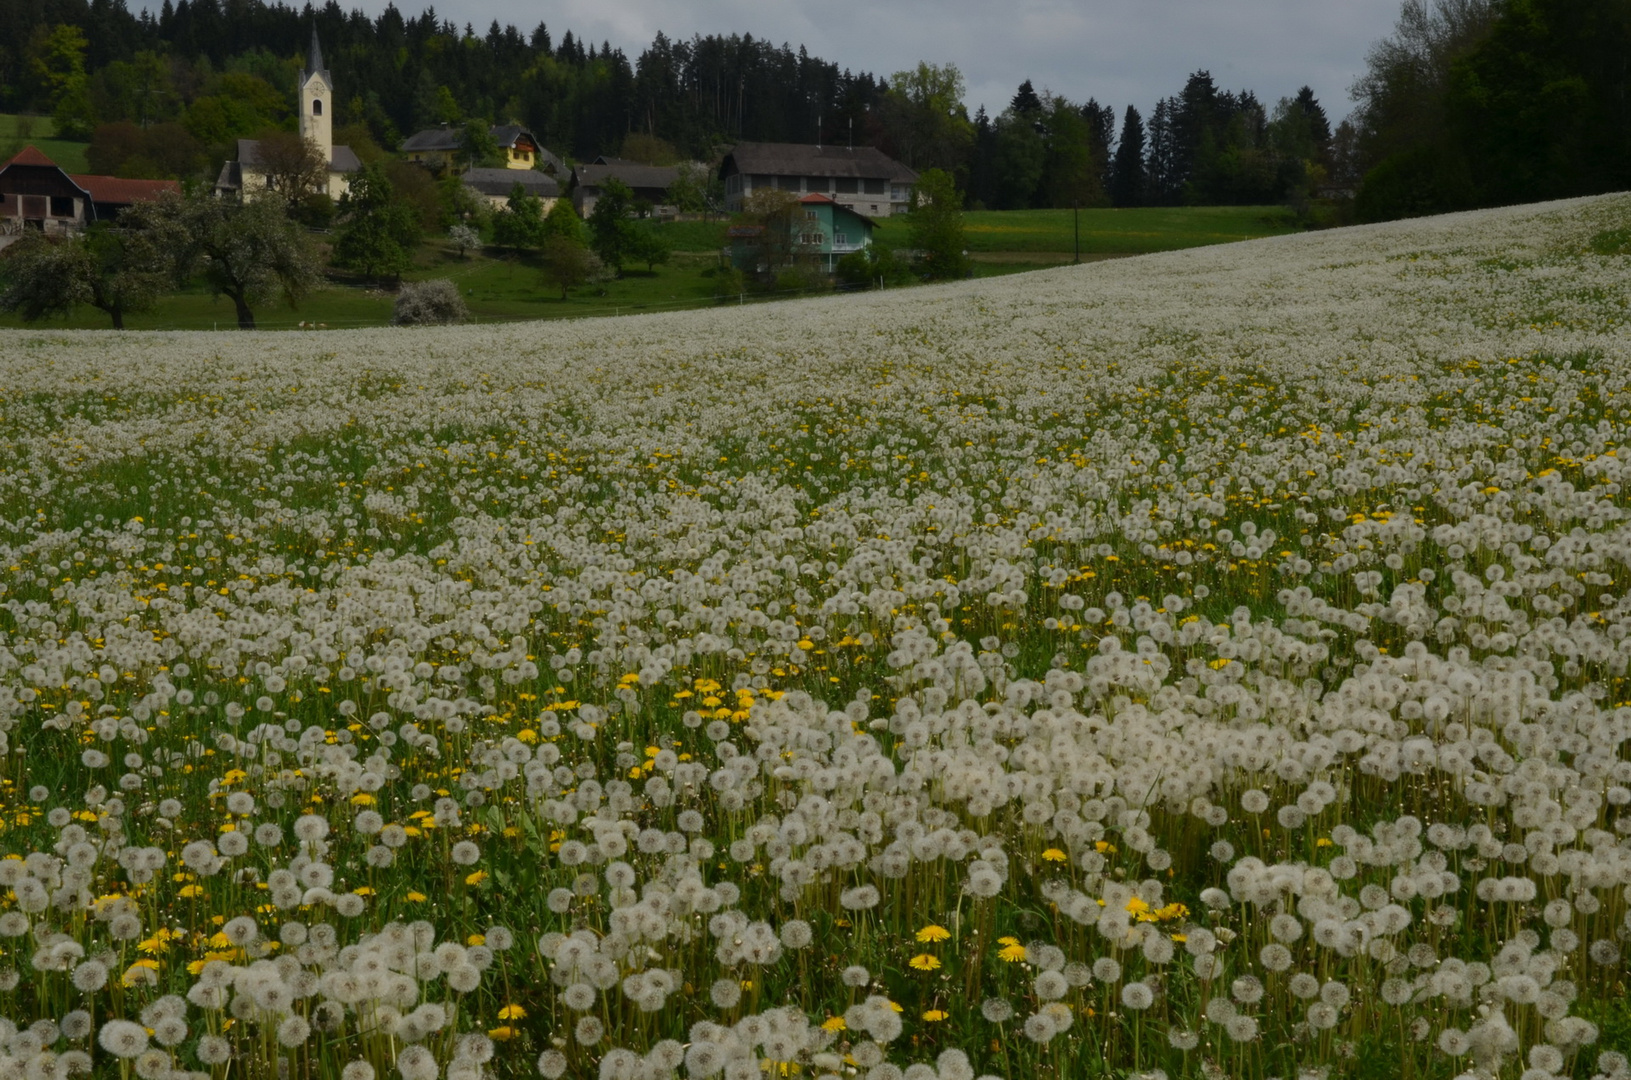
(936,226)
(521,223)
(118,267)
(294,167)
(569,263)
(378,232)
(611,230)
(248,252)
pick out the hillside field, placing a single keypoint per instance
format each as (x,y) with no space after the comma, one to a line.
(1210,664)
(17,132)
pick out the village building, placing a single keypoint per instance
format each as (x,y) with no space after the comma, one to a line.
(442,149)
(249,173)
(650,183)
(863,178)
(494,186)
(37,195)
(824,231)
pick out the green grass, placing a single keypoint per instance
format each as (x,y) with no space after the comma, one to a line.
(17,132)
(1104,232)
(696,236)
(1123,232)
(509,288)
(495,289)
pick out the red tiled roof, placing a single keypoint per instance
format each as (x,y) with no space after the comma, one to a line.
(816,197)
(113,189)
(30,156)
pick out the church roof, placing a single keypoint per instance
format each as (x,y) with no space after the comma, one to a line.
(342,160)
(314,57)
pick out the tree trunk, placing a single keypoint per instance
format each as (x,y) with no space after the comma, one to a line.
(118,314)
(246,318)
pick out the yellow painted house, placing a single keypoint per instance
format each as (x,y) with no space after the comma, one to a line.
(440,149)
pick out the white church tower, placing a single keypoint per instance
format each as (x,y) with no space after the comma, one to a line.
(317,102)
(247,174)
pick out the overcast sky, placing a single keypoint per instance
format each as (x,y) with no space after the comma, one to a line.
(1118,51)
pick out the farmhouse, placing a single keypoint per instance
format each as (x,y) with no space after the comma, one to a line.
(824,230)
(35,194)
(495,186)
(442,148)
(863,178)
(250,172)
(648,182)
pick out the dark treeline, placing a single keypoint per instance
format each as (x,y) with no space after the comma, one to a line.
(1468,103)
(398,74)
(1486,102)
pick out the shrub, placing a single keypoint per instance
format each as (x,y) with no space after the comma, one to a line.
(429,303)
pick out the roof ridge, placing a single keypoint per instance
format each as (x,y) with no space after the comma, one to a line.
(30,155)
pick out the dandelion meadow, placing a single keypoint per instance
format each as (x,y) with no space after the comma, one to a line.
(1211,664)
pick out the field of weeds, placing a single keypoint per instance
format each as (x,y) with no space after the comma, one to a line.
(1205,665)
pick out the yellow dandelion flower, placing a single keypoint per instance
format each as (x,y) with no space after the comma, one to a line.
(139,970)
(474,940)
(416,898)
(933,932)
(1012,953)
(512,1012)
(834,1023)
(501,1034)
(1053,854)
(934,1016)
(477,878)
(924,962)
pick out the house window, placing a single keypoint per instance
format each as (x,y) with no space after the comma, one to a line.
(874,208)
(787,183)
(317,107)
(846,185)
(62,206)
(812,239)
(875,187)
(811,215)
(839,239)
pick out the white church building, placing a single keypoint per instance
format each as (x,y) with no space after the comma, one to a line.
(247,174)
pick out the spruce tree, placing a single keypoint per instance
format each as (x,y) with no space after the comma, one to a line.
(1127,182)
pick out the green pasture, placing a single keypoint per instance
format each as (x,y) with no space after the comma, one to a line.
(1139,231)
(505,287)
(17,132)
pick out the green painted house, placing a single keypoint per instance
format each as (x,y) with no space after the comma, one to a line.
(825,231)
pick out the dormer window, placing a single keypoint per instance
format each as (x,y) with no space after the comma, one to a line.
(317,107)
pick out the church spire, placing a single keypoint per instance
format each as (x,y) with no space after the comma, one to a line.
(314,56)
